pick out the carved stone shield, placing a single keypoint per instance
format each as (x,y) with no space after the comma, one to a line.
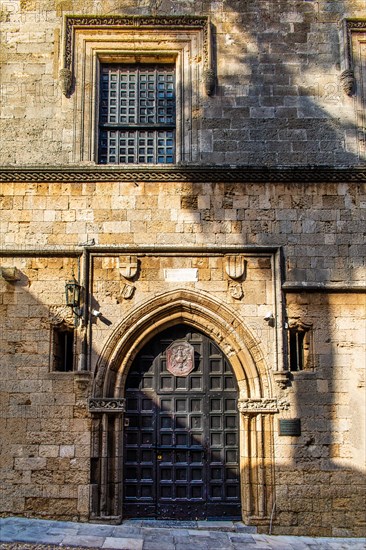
(180,358)
(128,266)
(235,266)
(127,291)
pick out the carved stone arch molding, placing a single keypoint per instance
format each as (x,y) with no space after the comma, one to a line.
(256,403)
(202,312)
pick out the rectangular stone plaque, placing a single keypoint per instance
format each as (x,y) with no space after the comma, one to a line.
(290,426)
(184,275)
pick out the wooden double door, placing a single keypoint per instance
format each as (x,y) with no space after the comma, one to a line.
(181,435)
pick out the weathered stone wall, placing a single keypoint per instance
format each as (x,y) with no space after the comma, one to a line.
(46,425)
(45,441)
(319,226)
(278,100)
(277,103)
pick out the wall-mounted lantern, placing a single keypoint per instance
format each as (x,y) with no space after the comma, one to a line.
(73,297)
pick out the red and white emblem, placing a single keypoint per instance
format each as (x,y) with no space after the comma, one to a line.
(180,358)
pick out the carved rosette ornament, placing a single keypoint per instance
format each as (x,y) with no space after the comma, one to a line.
(262,405)
(107,405)
(180,358)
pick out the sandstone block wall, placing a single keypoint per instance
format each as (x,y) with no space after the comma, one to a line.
(277,102)
(46,424)
(278,99)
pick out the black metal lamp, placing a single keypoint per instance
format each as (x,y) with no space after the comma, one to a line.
(73,294)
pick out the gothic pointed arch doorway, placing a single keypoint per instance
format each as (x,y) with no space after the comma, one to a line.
(216,324)
(181,439)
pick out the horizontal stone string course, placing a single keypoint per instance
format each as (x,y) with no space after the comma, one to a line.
(190,175)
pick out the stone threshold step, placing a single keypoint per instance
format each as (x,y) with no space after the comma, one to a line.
(206,525)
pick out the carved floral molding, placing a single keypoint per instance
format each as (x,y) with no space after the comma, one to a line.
(107,405)
(264,405)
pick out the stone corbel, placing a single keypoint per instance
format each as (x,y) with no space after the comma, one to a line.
(282,378)
(82,380)
(107,405)
(262,405)
(10,274)
(65,77)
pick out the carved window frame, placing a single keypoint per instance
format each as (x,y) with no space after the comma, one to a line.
(353,75)
(62,330)
(92,40)
(298,328)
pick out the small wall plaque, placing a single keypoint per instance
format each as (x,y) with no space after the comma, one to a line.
(184,275)
(290,426)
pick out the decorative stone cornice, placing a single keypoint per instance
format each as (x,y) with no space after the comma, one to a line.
(191,174)
(262,405)
(107,405)
(136,23)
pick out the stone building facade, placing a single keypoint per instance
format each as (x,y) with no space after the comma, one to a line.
(245,248)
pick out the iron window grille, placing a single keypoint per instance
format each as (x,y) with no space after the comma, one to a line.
(137,114)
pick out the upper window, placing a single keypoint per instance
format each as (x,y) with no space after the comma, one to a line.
(136,85)
(137,114)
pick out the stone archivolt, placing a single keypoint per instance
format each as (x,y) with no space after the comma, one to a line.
(194,308)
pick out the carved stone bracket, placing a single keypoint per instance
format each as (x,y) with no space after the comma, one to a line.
(262,405)
(282,378)
(61,315)
(82,383)
(107,405)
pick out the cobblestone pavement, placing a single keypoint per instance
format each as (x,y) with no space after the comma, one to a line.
(29,534)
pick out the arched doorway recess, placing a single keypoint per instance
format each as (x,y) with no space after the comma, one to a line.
(181,440)
(218,323)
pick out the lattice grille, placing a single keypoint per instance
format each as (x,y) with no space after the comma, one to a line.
(137,114)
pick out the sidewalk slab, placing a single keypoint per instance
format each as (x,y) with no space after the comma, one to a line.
(83,540)
(123,544)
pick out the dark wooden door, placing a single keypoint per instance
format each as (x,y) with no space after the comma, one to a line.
(181,442)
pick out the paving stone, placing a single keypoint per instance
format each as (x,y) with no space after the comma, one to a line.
(96,530)
(123,543)
(150,545)
(126,530)
(78,540)
(216,525)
